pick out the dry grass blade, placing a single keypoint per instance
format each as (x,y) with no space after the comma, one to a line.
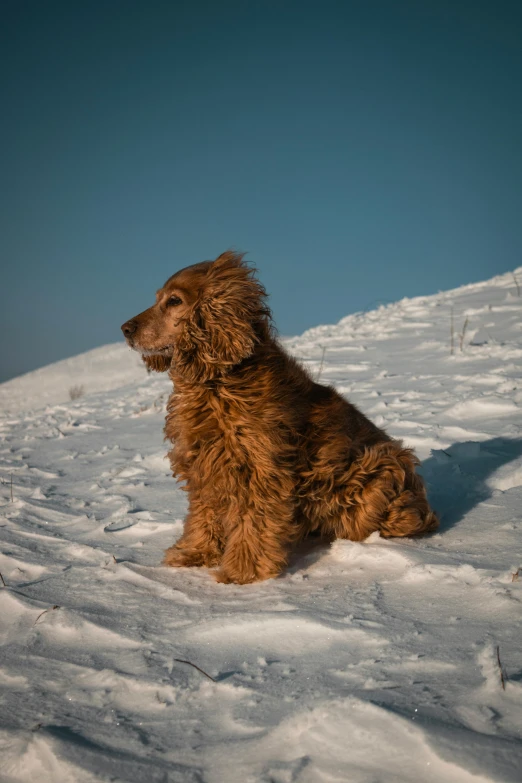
(463,335)
(322,363)
(3,580)
(502,677)
(45,612)
(75,392)
(189,663)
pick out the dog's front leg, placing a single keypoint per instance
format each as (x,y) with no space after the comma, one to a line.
(257,540)
(202,541)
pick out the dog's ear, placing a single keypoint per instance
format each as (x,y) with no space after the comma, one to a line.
(232,310)
(157,363)
(226,322)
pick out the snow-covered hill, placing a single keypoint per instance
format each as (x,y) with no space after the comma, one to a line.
(397,660)
(101,369)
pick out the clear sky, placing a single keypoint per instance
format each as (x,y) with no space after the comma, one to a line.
(359,151)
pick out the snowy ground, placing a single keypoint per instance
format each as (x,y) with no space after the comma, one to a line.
(365,662)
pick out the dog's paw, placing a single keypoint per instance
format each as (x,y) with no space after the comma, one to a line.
(238,579)
(177,557)
(174,557)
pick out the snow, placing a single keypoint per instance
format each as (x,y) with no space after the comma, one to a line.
(101,369)
(363,662)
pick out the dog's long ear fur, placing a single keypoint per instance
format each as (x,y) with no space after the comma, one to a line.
(157,363)
(228,320)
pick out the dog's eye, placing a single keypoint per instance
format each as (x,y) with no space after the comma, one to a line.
(173,301)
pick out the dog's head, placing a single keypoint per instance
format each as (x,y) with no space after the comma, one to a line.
(207,318)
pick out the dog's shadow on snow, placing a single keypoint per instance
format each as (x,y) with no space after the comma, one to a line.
(307,552)
(459,478)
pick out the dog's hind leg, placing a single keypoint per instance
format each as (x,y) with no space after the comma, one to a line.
(381,491)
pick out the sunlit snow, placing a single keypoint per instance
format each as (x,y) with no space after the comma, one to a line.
(388,660)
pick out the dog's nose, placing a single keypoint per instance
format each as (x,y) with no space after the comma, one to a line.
(129,328)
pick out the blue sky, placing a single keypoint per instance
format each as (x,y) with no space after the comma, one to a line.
(359,151)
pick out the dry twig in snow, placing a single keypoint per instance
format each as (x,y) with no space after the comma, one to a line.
(502,678)
(322,363)
(44,612)
(180,660)
(463,334)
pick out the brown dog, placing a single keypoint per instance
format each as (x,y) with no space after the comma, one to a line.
(267,455)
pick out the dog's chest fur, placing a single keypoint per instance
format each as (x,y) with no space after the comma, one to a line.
(214,433)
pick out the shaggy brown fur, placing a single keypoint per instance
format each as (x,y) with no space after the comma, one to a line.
(266,454)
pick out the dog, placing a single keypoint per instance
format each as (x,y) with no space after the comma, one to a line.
(266,454)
